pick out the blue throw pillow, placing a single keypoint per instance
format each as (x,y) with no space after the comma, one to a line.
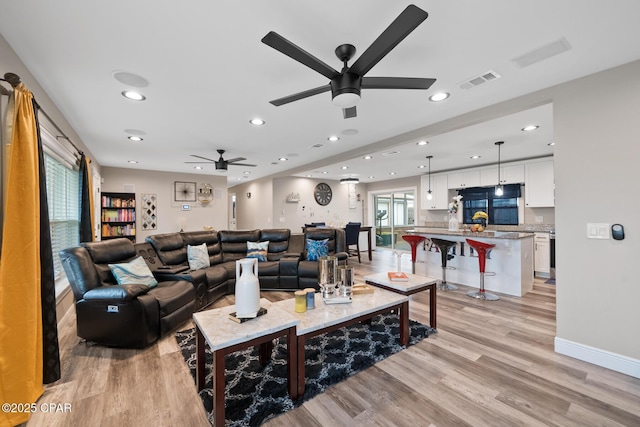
(258,250)
(134,272)
(317,248)
(198,256)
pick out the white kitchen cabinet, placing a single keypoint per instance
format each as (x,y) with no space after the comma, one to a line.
(539,185)
(542,254)
(439,191)
(508,175)
(463,179)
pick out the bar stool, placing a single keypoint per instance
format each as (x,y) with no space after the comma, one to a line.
(444,246)
(413,241)
(482,249)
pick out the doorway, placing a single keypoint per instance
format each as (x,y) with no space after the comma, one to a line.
(232,211)
(394,212)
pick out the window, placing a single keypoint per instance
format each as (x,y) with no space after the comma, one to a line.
(63,199)
(502,210)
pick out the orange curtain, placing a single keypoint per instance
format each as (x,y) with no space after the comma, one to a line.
(21,348)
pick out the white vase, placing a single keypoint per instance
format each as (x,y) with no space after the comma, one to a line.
(247,288)
(454,225)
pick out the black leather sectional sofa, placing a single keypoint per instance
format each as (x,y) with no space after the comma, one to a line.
(136,315)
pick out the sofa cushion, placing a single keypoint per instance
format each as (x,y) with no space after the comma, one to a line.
(133,272)
(258,250)
(317,249)
(234,243)
(210,237)
(172,296)
(170,248)
(198,256)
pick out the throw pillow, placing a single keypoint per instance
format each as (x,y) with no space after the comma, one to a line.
(133,272)
(258,250)
(317,248)
(198,256)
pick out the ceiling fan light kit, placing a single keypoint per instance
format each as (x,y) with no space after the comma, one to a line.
(349,181)
(222,164)
(346,85)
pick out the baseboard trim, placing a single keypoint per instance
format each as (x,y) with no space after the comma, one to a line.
(606,359)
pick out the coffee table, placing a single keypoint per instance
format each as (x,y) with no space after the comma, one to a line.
(326,318)
(416,283)
(226,336)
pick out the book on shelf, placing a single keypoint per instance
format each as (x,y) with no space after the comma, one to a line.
(396,276)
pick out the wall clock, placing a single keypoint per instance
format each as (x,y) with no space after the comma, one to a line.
(323,194)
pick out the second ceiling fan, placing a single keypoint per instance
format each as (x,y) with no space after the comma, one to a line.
(346,85)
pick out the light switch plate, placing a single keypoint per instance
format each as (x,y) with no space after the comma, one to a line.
(598,231)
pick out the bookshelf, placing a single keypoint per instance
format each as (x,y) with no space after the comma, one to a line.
(118,216)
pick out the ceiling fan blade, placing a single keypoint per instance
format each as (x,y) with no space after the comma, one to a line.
(283,45)
(237,159)
(300,95)
(400,28)
(241,164)
(396,83)
(199,162)
(200,157)
(348,113)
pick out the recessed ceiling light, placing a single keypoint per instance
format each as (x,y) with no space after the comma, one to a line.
(238,179)
(440,96)
(551,143)
(344,167)
(309,176)
(246,172)
(135,138)
(257,121)
(133,162)
(368,157)
(530,127)
(422,142)
(334,138)
(198,167)
(135,96)
(325,171)
(371,177)
(392,173)
(283,159)
(475,157)
(421,167)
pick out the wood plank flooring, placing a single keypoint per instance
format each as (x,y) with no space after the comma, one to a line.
(491,364)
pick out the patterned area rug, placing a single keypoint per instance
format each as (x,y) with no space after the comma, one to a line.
(255,394)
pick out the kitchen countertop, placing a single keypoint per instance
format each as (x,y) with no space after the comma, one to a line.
(479,235)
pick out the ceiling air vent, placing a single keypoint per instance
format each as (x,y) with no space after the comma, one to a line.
(480,79)
(389,153)
(317,146)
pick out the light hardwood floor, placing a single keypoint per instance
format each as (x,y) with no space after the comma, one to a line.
(490,364)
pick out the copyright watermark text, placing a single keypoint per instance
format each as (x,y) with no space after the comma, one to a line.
(36,407)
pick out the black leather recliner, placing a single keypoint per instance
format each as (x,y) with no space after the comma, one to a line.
(121,315)
(308,270)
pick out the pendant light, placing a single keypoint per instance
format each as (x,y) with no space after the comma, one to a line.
(499,187)
(429,193)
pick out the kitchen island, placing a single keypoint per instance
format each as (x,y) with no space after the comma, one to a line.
(511,260)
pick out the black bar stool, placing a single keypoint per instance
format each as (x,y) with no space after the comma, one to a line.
(482,249)
(444,246)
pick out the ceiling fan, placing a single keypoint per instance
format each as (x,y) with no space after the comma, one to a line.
(222,164)
(345,86)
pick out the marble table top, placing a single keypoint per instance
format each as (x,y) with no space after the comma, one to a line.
(513,235)
(414,283)
(325,315)
(220,332)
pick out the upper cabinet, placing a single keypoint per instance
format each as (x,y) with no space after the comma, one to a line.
(439,192)
(511,174)
(539,184)
(464,179)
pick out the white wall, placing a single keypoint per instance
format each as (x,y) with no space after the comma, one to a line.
(307,210)
(597,175)
(171,217)
(255,211)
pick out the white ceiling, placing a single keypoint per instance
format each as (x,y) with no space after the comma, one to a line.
(209,74)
